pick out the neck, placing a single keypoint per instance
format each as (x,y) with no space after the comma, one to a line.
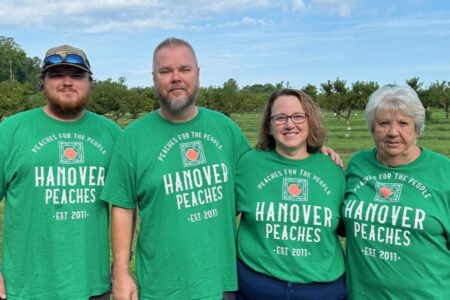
(399,160)
(63,116)
(297,154)
(179,116)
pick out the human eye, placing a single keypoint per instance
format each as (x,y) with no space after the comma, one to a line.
(383,123)
(78,76)
(298,118)
(164,71)
(185,69)
(404,123)
(54,75)
(279,119)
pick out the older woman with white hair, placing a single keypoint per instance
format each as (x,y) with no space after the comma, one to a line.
(397,207)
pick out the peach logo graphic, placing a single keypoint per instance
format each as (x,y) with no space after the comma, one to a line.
(295,189)
(387,192)
(71,152)
(192,153)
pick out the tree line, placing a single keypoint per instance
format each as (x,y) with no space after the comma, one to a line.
(20,90)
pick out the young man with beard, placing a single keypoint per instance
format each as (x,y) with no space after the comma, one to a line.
(177,166)
(53,162)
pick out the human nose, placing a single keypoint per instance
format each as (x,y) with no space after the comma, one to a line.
(67,80)
(175,76)
(289,122)
(393,130)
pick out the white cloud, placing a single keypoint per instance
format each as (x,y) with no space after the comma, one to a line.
(127,15)
(341,8)
(298,5)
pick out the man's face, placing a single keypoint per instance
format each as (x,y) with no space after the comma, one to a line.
(67,90)
(176,77)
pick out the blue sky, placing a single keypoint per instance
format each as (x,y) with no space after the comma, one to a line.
(251,41)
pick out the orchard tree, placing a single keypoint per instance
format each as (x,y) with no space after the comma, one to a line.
(415,84)
(140,100)
(110,98)
(336,98)
(360,93)
(311,91)
(226,99)
(439,94)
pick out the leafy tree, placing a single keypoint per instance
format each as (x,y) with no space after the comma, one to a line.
(140,100)
(439,94)
(109,97)
(16,65)
(415,84)
(336,98)
(226,99)
(360,93)
(267,88)
(10,93)
(311,91)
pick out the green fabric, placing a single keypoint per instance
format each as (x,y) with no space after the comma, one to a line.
(56,242)
(290,214)
(181,175)
(398,228)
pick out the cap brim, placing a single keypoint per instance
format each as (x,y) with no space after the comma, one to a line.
(66,64)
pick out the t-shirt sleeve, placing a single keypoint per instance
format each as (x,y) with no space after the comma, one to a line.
(119,189)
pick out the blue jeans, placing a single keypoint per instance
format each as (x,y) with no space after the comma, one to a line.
(257,286)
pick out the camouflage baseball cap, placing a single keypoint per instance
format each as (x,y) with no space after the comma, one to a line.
(67,56)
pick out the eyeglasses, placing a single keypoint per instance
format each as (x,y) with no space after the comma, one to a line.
(70,58)
(281,119)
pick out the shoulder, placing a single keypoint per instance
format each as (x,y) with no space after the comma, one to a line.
(104,121)
(27,116)
(23,115)
(145,123)
(362,156)
(325,163)
(217,116)
(254,154)
(436,159)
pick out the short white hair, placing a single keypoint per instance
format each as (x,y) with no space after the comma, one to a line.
(398,98)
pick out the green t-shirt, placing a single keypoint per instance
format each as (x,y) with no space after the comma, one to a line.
(181,177)
(397,221)
(290,214)
(55,237)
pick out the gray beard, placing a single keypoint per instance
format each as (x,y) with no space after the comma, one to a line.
(176,105)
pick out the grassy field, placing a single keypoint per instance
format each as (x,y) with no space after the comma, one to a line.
(343,138)
(347,139)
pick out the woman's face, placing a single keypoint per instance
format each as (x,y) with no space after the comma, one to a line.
(290,137)
(395,136)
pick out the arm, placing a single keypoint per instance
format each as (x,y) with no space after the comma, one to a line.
(123,285)
(2,288)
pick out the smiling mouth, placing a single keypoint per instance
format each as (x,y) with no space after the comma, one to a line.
(290,133)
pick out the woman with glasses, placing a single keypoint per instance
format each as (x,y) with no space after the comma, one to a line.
(289,195)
